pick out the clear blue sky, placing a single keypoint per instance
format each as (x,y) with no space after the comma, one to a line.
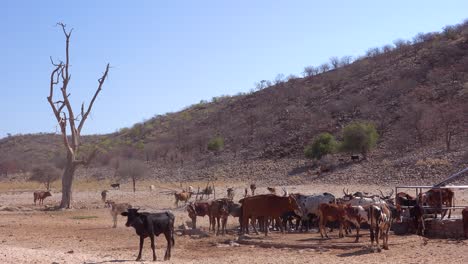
(166,55)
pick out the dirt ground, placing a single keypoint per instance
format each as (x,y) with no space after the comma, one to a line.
(33,234)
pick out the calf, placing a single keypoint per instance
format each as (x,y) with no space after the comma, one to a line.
(41,195)
(219,210)
(182,196)
(331,212)
(150,225)
(116,209)
(417,213)
(115,185)
(152,187)
(198,209)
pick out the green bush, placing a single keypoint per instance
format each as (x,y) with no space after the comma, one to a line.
(322,145)
(359,137)
(216,144)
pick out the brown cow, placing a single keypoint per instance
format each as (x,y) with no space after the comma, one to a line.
(405,199)
(438,198)
(41,195)
(331,212)
(219,209)
(465,221)
(266,206)
(182,196)
(198,209)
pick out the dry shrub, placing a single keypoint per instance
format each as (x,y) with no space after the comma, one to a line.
(430,162)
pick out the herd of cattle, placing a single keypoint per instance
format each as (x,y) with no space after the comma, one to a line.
(286,212)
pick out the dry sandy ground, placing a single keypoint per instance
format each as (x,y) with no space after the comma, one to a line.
(35,235)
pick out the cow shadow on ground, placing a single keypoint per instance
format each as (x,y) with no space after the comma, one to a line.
(359,252)
(111,261)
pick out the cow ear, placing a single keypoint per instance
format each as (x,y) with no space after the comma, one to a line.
(124,213)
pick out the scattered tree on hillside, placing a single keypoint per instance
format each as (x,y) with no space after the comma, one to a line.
(334,62)
(279,79)
(8,166)
(45,174)
(310,71)
(345,60)
(322,145)
(419,123)
(324,67)
(453,122)
(62,109)
(359,137)
(216,144)
(133,169)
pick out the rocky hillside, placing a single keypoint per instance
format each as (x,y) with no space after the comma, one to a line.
(414,92)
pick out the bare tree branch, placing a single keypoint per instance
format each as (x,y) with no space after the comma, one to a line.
(86,161)
(101,82)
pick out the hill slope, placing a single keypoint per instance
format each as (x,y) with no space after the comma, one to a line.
(415,94)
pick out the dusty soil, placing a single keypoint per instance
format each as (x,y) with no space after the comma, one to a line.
(33,234)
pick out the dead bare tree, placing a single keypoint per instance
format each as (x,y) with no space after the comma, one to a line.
(59,79)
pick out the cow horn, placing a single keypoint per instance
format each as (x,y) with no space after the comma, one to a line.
(391,194)
(381,193)
(344,192)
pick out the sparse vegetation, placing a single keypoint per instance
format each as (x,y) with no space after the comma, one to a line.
(216,144)
(132,169)
(45,174)
(359,137)
(322,145)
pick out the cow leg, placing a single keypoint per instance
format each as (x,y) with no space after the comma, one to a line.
(169,239)
(278,220)
(372,236)
(358,227)
(142,239)
(340,234)
(223,228)
(377,230)
(385,246)
(217,221)
(152,246)
(194,222)
(252,221)
(114,218)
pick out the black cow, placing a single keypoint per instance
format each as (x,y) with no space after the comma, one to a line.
(151,224)
(417,214)
(115,185)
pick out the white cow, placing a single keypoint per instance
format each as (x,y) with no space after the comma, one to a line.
(309,204)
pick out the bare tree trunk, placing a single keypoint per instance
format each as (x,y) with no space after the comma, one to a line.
(62,109)
(67,181)
(134,183)
(448,140)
